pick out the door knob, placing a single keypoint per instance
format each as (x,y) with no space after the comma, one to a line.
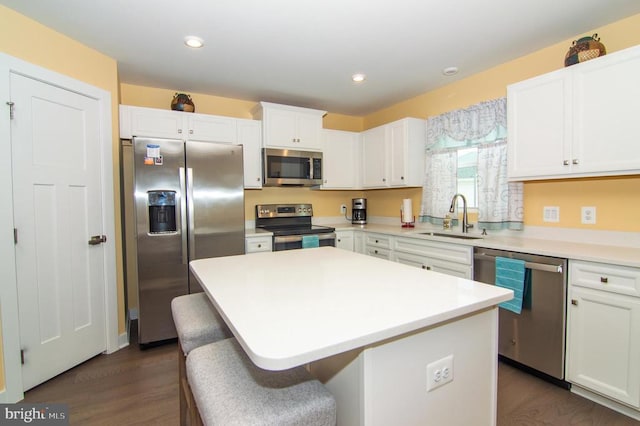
(97,239)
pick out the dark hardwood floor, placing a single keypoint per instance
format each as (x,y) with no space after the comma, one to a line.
(140,387)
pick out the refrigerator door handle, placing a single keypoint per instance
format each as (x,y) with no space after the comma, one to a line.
(183,217)
(191,215)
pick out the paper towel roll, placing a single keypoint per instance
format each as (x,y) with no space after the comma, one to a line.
(407,210)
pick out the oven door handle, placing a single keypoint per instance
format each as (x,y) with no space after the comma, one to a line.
(296,238)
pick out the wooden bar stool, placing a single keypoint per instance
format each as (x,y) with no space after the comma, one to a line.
(230,390)
(197,323)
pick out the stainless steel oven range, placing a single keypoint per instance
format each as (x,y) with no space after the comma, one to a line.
(291,225)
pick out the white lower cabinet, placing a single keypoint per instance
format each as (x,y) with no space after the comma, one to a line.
(603,330)
(344,240)
(257,243)
(451,259)
(378,245)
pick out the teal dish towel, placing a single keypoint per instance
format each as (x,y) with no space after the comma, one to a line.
(309,241)
(511,274)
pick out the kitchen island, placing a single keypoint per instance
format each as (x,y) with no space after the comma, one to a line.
(377,333)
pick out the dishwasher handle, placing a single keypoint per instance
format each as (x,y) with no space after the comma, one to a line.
(530,265)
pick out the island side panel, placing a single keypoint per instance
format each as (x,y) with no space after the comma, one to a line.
(387,383)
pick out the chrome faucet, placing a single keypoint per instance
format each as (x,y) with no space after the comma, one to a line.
(465,220)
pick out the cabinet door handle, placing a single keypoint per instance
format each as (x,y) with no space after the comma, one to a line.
(97,239)
(428,268)
(179,131)
(574,302)
(575,161)
(191,131)
(375,251)
(604,280)
(565,162)
(259,245)
(401,177)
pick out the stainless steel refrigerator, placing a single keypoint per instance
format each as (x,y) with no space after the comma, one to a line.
(187,202)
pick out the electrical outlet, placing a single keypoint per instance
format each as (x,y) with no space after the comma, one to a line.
(439,373)
(589,215)
(343,208)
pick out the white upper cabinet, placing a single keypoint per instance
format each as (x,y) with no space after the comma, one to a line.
(577,121)
(539,125)
(151,122)
(250,137)
(374,154)
(290,127)
(211,128)
(160,123)
(393,154)
(341,159)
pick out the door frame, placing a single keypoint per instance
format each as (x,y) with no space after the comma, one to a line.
(8,290)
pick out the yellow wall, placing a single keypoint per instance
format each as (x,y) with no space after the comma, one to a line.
(153,97)
(617,200)
(28,40)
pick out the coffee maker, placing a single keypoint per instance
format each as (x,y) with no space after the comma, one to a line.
(359,211)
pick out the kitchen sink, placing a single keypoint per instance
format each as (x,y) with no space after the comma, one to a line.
(448,235)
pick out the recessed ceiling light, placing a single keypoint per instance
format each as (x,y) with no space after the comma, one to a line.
(450,71)
(195,42)
(358,78)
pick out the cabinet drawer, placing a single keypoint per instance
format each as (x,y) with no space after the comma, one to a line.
(435,250)
(601,276)
(255,245)
(429,264)
(378,240)
(378,252)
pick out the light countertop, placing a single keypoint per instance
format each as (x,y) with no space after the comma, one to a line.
(292,307)
(605,253)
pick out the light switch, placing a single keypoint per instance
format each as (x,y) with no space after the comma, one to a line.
(551,214)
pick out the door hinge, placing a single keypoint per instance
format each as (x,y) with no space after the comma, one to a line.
(22,356)
(11,104)
(15,235)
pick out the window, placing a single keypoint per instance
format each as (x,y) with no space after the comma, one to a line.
(467,175)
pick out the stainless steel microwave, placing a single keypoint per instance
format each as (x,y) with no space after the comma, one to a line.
(285,167)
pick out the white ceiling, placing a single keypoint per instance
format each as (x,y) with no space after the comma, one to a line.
(303,53)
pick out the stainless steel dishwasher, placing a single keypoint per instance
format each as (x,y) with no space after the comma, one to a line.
(535,338)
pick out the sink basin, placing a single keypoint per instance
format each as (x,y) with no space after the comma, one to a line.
(448,235)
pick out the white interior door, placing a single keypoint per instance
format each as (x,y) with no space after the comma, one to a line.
(56,159)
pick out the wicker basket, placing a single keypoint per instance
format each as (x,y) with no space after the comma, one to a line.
(584,49)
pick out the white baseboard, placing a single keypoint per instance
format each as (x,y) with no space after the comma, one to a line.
(123,340)
(615,406)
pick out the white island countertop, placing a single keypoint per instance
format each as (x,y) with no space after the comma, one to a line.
(292,307)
